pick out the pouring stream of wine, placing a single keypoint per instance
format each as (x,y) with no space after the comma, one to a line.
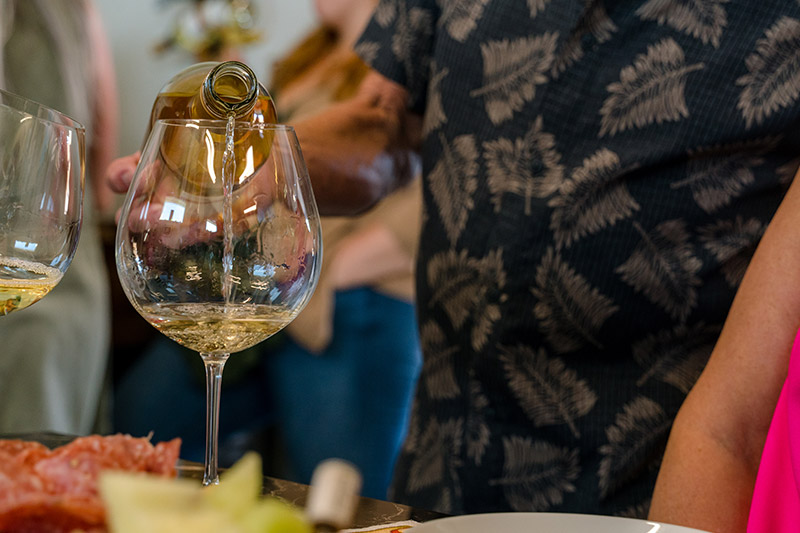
(228,176)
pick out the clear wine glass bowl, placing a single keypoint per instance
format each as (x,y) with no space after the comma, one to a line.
(41,198)
(218,244)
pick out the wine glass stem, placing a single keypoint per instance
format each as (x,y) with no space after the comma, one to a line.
(214,364)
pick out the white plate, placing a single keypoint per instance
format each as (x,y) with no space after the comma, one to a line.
(544,523)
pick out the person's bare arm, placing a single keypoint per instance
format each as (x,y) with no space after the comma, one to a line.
(359,150)
(104,109)
(709,469)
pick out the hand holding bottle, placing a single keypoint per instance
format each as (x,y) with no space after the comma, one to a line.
(119,173)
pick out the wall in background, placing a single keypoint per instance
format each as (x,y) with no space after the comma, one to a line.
(134,28)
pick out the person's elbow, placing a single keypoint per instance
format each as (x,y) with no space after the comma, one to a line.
(358,188)
(386,173)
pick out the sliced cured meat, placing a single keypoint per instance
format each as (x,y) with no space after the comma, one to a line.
(55,491)
(75,466)
(16,446)
(164,459)
(17,479)
(23,451)
(48,513)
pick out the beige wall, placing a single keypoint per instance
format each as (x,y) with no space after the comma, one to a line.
(135,26)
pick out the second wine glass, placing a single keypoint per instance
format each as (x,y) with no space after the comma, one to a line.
(218,244)
(41,198)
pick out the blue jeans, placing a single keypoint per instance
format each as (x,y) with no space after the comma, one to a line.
(353,401)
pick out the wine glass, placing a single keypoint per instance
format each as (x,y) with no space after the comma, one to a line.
(41,198)
(219,243)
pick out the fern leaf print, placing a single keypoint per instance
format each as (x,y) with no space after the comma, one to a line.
(409,25)
(594,21)
(437,459)
(511,72)
(598,22)
(385,13)
(456,281)
(569,310)
(714,184)
(435,115)
(536,6)
(639,432)
(469,288)
(460,17)
(570,53)
(702,19)
(411,442)
(439,378)
(548,391)
(664,269)
(676,356)
(367,50)
(528,167)
(484,323)
(787,172)
(477,431)
(591,200)
(638,511)
(453,196)
(649,91)
(720,174)
(773,80)
(445,501)
(732,243)
(536,474)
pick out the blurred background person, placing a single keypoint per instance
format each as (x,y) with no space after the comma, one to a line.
(343,383)
(55,353)
(339,381)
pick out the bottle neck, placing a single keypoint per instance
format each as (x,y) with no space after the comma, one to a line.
(231,88)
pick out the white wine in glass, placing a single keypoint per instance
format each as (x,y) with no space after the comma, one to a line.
(41,198)
(219,253)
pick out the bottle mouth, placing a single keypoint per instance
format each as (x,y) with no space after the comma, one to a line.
(231,88)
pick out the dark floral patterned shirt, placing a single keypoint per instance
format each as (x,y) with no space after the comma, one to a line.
(597,175)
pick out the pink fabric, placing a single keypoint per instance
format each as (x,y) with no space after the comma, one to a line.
(775,507)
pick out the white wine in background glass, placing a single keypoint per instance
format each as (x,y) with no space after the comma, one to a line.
(218,244)
(41,198)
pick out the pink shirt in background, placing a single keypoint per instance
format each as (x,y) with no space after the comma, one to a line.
(775,507)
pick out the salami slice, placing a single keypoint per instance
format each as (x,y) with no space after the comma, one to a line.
(74,468)
(55,491)
(16,446)
(47,513)
(164,459)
